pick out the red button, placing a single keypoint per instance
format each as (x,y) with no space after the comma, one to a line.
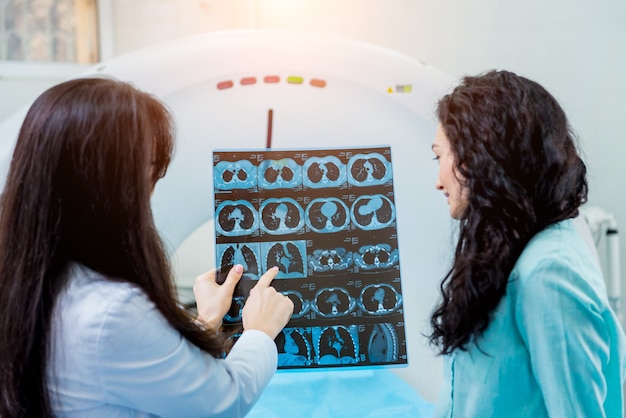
(224,85)
(315,82)
(271,79)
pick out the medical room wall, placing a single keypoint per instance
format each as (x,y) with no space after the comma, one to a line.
(574,48)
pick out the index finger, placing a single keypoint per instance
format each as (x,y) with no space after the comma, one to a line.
(267,278)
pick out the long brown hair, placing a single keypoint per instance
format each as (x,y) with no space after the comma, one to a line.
(517,158)
(78,190)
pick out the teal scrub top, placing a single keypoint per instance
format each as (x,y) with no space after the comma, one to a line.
(553,348)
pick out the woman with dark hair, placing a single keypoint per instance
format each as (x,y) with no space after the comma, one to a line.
(89,320)
(524,320)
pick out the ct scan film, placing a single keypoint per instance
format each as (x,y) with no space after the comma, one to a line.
(327,219)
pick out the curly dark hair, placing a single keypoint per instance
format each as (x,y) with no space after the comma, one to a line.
(515,155)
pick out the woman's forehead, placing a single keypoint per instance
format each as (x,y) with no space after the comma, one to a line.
(441,140)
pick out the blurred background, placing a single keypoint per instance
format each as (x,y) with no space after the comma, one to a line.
(574,48)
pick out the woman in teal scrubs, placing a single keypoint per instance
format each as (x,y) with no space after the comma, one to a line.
(524,323)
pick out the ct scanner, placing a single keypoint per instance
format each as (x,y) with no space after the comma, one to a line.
(251,89)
